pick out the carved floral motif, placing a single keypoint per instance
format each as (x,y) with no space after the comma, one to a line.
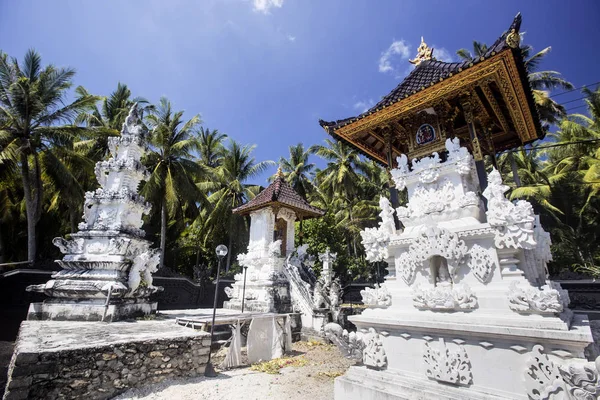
(438,241)
(547,380)
(374,354)
(481,263)
(376,297)
(405,263)
(447,366)
(375,242)
(428,168)
(544,300)
(444,296)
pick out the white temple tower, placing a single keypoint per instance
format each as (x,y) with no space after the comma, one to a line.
(108,266)
(273,213)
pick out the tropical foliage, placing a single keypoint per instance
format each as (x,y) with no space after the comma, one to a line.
(49,145)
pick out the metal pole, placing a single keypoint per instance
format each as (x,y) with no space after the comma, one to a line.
(244,288)
(210,370)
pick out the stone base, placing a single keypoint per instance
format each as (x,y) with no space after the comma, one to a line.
(424,359)
(96,361)
(314,324)
(88,310)
(362,383)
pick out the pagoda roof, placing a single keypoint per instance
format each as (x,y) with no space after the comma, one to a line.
(431,73)
(280,193)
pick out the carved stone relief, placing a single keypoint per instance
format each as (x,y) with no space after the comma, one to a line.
(481,263)
(444,297)
(447,366)
(376,297)
(545,379)
(544,300)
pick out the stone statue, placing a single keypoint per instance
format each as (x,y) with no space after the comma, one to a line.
(387,223)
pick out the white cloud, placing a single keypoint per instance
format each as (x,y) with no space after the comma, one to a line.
(397,48)
(291,38)
(364,105)
(264,6)
(442,54)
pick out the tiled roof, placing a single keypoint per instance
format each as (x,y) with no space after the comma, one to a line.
(279,191)
(426,74)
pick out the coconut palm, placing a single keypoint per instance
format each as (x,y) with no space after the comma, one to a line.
(230,188)
(340,175)
(298,170)
(33,113)
(210,146)
(173,171)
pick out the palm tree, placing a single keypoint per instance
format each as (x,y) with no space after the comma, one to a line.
(211,146)
(541,81)
(173,171)
(340,175)
(298,170)
(33,109)
(230,188)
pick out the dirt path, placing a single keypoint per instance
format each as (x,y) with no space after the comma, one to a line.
(312,378)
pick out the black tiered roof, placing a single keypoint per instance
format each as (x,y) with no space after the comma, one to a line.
(430,72)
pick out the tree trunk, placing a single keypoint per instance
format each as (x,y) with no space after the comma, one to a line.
(163,232)
(515,170)
(1,246)
(30,207)
(73,218)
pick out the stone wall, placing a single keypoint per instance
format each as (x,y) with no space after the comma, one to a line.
(102,372)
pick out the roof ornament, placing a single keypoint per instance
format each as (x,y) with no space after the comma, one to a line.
(279,173)
(423,53)
(513,39)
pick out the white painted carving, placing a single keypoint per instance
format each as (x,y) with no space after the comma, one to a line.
(399,174)
(376,297)
(544,300)
(513,221)
(428,168)
(481,263)
(374,354)
(275,248)
(436,241)
(547,380)
(351,344)
(375,243)
(447,366)
(144,265)
(460,156)
(444,296)
(387,224)
(407,266)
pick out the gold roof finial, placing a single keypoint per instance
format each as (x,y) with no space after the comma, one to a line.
(513,39)
(279,172)
(423,53)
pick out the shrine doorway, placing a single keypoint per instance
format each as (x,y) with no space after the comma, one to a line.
(280,233)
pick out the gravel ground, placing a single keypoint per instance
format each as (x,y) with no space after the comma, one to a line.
(313,380)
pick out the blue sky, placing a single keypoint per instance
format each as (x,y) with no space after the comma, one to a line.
(265,71)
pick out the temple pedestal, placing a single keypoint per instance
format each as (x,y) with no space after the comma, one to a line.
(267,289)
(90,310)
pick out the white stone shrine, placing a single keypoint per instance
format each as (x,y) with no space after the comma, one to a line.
(467,310)
(107,268)
(273,213)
